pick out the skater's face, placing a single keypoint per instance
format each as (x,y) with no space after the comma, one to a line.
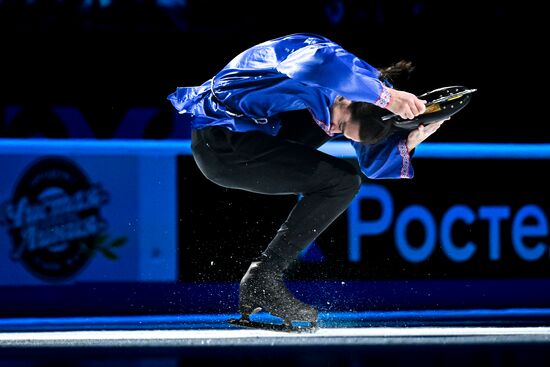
(342,123)
(348,127)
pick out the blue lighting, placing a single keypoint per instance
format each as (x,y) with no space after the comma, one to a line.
(336,148)
(84,146)
(483,151)
(219,321)
(458,150)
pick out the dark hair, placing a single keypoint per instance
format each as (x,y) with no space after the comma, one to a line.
(371,127)
(399,69)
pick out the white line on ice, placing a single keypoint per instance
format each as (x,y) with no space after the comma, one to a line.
(328,336)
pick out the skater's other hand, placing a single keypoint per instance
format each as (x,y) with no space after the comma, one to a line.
(421,133)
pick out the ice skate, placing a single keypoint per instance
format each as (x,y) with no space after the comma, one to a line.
(263,288)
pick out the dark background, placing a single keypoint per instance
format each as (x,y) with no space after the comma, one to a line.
(222,230)
(106,59)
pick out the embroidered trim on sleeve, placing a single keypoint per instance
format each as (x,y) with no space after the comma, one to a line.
(404,152)
(384,99)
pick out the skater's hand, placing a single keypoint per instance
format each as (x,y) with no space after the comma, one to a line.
(421,133)
(405,105)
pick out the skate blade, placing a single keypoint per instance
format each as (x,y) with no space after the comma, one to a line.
(288,328)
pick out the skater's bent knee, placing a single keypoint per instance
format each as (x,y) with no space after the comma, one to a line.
(344,177)
(351,181)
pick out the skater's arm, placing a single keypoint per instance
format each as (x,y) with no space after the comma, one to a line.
(330,66)
(387,159)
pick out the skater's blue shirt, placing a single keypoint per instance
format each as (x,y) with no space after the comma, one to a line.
(295,72)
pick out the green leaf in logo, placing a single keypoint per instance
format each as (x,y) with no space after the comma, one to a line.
(108,253)
(118,242)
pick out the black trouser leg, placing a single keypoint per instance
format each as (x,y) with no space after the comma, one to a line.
(260,163)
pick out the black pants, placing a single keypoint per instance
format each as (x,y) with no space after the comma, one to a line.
(288,163)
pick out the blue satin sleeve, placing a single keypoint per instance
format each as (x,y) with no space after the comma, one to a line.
(385,160)
(328,65)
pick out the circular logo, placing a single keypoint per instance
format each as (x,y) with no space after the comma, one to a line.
(54,218)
